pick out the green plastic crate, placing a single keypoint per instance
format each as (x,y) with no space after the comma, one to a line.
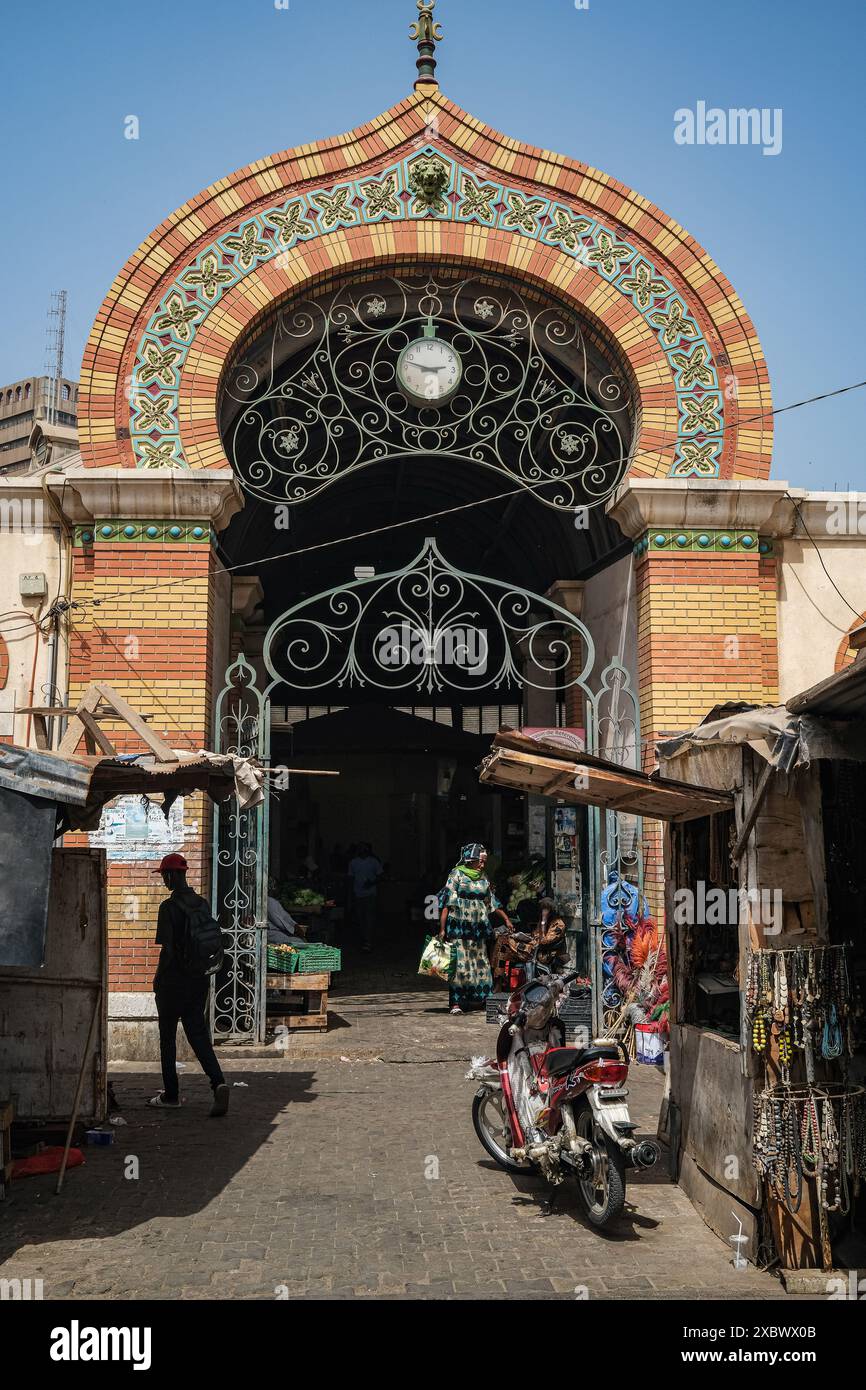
(281,961)
(309,960)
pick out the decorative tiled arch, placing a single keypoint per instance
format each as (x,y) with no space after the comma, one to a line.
(845,653)
(195,287)
(244,305)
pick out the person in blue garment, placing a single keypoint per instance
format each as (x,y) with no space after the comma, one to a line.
(467,906)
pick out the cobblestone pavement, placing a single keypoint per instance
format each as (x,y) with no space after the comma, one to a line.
(335,1178)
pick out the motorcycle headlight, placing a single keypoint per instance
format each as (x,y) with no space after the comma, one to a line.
(538,1003)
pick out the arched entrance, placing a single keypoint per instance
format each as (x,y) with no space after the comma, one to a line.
(427,632)
(424,190)
(429,363)
(516,426)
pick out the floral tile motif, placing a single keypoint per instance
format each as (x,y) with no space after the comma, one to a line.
(337,207)
(566,229)
(427,183)
(382,196)
(291,222)
(479,200)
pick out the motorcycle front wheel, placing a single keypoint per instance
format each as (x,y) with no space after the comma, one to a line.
(493,1127)
(602,1194)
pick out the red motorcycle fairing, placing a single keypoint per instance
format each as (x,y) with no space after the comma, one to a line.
(561,1074)
(558,1082)
(503,1048)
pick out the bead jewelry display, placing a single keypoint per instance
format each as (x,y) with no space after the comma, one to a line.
(811,1132)
(803,997)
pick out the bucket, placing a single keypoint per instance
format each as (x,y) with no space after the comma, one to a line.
(650,1048)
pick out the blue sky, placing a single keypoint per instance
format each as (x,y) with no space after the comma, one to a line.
(217,84)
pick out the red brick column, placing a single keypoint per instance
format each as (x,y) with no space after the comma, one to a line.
(706,600)
(144,627)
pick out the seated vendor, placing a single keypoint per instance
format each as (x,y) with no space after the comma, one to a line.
(547,933)
(283,930)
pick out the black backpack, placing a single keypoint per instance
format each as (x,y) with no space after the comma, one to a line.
(200,944)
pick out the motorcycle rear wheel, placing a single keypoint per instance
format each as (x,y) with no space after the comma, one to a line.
(493,1127)
(602,1195)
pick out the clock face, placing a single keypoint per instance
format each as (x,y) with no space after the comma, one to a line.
(429,371)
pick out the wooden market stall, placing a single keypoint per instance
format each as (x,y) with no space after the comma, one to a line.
(767,955)
(546,766)
(53,939)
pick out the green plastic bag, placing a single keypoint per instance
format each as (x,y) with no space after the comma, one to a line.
(438,958)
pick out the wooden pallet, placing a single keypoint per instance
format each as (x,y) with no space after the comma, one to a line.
(316,989)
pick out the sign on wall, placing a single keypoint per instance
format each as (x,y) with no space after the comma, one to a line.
(134,828)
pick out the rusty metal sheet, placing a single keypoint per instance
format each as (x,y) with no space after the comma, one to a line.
(44,774)
(45,1016)
(27,829)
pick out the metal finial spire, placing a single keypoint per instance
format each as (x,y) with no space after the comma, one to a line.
(426,33)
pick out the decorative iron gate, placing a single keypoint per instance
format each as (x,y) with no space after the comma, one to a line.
(240,866)
(426,629)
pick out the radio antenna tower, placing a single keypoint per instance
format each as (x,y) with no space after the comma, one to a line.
(55,339)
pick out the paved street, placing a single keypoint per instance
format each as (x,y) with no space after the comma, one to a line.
(355,1178)
(347,1168)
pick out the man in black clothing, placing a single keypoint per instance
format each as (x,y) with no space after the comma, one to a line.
(180,996)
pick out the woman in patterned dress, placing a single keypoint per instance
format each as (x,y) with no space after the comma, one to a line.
(467,903)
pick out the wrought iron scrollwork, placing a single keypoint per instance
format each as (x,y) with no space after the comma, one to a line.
(319,397)
(240,867)
(427,628)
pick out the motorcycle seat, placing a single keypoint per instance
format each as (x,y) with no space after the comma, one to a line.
(562,1059)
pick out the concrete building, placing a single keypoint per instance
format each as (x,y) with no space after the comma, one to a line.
(33,405)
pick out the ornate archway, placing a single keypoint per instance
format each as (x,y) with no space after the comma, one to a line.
(423,185)
(318,393)
(198,285)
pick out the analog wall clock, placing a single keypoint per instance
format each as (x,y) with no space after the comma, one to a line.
(429,369)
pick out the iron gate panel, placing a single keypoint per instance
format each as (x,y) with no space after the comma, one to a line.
(240,864)
(413,630)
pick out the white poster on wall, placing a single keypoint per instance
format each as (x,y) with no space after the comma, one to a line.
(134,828)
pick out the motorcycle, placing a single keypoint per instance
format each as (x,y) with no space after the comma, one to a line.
(555,1110)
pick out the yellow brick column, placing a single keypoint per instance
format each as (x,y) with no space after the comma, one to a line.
(147,603)
(706,608)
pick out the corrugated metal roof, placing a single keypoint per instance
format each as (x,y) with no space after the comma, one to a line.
(92,781)
(44,774)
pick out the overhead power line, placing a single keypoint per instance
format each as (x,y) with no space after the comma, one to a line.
(82,605)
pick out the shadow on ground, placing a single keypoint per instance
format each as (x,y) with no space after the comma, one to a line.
(166,1164)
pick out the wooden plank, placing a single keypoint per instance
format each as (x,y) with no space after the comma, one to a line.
(306,771)
(121,707)
(752,812)
(96,737)
(715,1103)
(606,784)
(812,819)
(782,856)
(277,980)
(319,1021)
(75,727)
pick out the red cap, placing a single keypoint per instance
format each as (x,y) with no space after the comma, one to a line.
(172,861)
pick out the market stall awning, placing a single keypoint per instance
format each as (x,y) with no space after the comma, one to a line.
(544,768)
(82,785)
